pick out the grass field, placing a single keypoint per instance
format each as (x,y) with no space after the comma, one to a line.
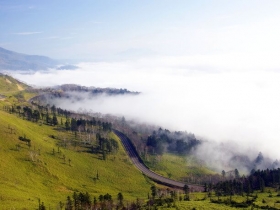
(9,85)
(177,167)
(200,201)
(28,174)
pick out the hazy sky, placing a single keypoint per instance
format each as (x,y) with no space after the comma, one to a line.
(99,29)
(208,67)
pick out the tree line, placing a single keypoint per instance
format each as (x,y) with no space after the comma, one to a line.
(176,142)
(87,131)
(257,180)
(157,197)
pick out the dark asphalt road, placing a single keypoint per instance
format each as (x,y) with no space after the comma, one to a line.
(143,168)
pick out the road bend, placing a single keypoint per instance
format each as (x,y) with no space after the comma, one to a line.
(137,161)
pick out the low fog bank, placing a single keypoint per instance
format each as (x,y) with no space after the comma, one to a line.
(218,155)
(216,101)
(228,156)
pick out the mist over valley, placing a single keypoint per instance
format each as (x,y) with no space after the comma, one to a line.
(235,110)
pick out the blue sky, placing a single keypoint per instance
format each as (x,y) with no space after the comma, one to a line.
(91,29)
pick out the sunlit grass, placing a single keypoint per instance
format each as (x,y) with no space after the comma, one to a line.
(177,166)
(23,180)
(10,85)
(201,201)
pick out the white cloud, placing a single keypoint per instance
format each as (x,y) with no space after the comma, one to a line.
(222,98)
(28,33)
(96,22)
(51,37)
(67,37)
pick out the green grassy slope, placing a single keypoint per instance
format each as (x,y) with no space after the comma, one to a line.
(9,84)
(13,91)
(28,174)
(178,167)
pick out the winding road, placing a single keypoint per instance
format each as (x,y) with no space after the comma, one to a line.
(136,160)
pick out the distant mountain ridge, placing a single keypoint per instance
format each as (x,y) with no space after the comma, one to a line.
(10,60)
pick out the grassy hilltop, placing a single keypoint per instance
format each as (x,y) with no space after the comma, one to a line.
(40,171)
(27,174)
(9,85)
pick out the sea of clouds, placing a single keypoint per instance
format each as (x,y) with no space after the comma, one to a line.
(221,98)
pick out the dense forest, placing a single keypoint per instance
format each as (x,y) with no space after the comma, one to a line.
(165,141)
(257,180)
(248,186)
